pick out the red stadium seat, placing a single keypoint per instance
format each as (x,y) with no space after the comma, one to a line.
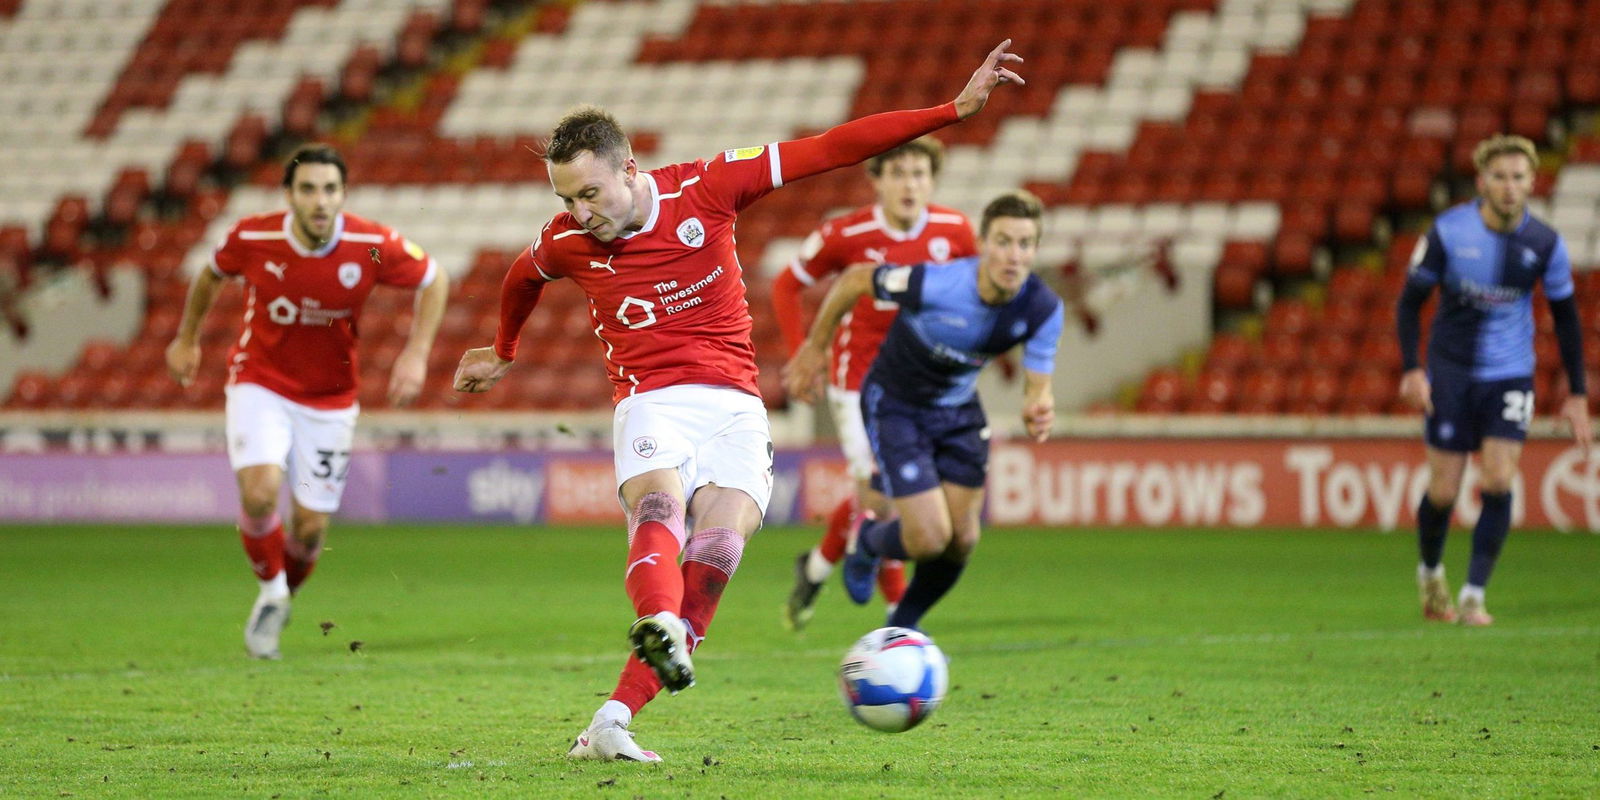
(1289,317)
(1228,352)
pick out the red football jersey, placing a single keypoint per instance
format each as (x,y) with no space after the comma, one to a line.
(941,234)
(302,306)
(667,300)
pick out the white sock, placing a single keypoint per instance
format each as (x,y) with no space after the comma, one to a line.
(1426,574)
(612,711)
(1470,594)
(817,568)
(275,586)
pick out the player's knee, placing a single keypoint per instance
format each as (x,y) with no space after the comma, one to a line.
(1497,481)
(310,530)
(962,543)
(257,501)
(925,541)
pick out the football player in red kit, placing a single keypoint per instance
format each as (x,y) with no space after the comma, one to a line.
(291,390)
(902,227)
(654,253)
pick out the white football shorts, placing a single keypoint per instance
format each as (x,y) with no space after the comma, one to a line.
(312,444)
(711,434)
(852,430)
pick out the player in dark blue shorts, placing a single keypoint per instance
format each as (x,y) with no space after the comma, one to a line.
(1485,256)
(919,400)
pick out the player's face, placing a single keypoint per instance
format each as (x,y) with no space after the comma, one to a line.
(599,196)
(904,188)
(1505,183)
(1007,252)
(315,197)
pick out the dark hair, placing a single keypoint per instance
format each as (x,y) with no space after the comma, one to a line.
(922,145)
(588,128)
(313,154)
(1019,203)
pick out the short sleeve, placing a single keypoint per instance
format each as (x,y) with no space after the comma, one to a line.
(1039,350)
(820,256)
(1427,261)
(899,284)
(1558,273)
(227,260)
(405,264)
(743,175)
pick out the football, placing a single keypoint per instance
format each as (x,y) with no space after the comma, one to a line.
(893,678)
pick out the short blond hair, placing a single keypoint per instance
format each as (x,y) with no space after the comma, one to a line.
(1503,144)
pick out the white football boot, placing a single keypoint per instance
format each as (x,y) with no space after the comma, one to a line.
(609,741)
(1434,592)
(266,622)
(661,641)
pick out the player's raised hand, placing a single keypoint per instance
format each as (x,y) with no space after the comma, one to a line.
(802,376)
(990,74)
(405,380)
(1575,410)
(183,360)
(1415,391)
(1039,417)
(480,369)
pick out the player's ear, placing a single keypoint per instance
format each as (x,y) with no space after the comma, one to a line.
(630,168)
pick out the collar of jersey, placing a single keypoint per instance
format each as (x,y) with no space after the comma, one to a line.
(333,241)
(900,236)
(655,208)
(1477,213)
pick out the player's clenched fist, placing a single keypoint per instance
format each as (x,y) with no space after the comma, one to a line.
(480,369)
(183,360)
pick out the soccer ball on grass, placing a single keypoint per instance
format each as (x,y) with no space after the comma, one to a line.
(893,678)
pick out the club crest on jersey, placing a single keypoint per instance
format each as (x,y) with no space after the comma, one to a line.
(645,446)
(349,274)
(939,248)
(691,232)
(1528,256)
(275,268)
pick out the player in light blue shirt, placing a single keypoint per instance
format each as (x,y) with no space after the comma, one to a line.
(1485,257)
(919,400)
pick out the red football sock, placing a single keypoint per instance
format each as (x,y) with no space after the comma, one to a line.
(263,543)
(636,686)
(299,560)
(891,579)
(709,561)
(833,541)
(655,537)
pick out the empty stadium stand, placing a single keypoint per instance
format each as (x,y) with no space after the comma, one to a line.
(1281,157)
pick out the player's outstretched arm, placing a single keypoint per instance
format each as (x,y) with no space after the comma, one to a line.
(1575,410)
(991,73)
(483,367)
(411,368)
(183,354)
(859,139)
(802,376)
(1038,405)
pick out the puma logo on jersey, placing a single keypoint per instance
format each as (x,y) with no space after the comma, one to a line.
(606,265)
(877,255)
(276,268)
(651,559)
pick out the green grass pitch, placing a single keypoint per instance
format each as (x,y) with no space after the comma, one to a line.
(1204,664)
